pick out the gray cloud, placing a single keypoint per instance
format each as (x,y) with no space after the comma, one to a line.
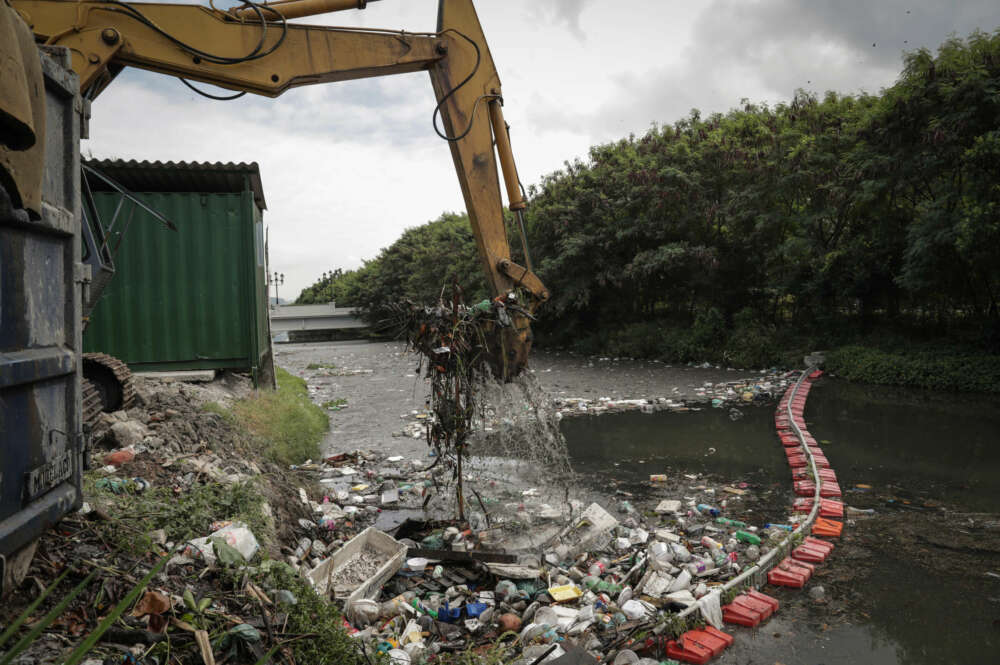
(565,12)
(766,50)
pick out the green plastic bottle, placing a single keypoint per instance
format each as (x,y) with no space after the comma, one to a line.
(747,537)
(728,522)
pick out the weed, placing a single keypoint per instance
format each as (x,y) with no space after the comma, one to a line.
(288,423)
(219,410)
(321,366)
(318,621)
(336,404)
(933,369)
(182,516)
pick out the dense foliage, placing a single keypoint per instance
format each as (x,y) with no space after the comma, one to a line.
(837,213)
(939,370)
(821,221)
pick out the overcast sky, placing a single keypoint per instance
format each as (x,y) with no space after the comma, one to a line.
(347,166)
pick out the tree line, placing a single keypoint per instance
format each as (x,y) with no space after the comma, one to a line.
(733,236)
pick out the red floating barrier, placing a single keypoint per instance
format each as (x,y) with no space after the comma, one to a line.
(741,615)
(806,553)
(789,573)
(815,375)
(830,508)
(828,489)
(798,461)
(826,475)
(804,487)
(765,609)
(688,651)
(816,543)
(827,528)
(827,507)
(699,646)
(789,440)
(764,598)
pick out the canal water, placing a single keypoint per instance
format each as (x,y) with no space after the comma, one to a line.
(919,453)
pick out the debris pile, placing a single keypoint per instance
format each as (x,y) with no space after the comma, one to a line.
(763,390)
(598,582)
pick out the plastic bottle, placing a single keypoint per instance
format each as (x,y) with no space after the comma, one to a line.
(786,527)
(728,522)
(706,509)
(747,537)
(715,550)
(696,566)
(422,609)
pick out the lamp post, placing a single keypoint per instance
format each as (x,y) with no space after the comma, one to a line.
(279,279)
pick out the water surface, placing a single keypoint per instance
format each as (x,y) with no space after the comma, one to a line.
(918,450)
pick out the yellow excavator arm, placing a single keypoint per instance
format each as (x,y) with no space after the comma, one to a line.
(254,49)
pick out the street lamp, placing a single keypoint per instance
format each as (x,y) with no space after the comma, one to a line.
(279,279)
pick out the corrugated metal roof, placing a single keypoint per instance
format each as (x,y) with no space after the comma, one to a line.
(208,177)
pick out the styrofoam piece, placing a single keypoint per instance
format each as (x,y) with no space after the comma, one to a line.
(394,551)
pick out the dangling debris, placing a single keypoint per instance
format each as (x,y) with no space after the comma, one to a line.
(463,348)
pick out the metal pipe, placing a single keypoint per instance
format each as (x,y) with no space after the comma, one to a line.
(515,197)
(502,138)
(300,8)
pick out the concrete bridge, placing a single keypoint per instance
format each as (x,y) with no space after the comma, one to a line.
(292,318)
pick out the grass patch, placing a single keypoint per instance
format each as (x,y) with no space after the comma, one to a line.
(336,404)
(219,410)
(321,366)
(937,370)
(328,643)
(182,516)
(287,423)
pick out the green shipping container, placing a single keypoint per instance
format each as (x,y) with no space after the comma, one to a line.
(192,299)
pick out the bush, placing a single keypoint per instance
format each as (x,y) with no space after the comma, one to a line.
(327,642)
(286,421)
(962,372)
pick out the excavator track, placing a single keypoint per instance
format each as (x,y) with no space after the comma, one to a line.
(92,404)
(112,379)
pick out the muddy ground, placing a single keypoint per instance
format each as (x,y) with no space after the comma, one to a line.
(869,612)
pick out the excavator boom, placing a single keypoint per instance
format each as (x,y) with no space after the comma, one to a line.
(254,49)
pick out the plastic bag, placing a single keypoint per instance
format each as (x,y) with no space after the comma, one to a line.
(236,535)
(711,610)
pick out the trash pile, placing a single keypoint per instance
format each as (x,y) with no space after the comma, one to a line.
(763,390)
(598,582)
